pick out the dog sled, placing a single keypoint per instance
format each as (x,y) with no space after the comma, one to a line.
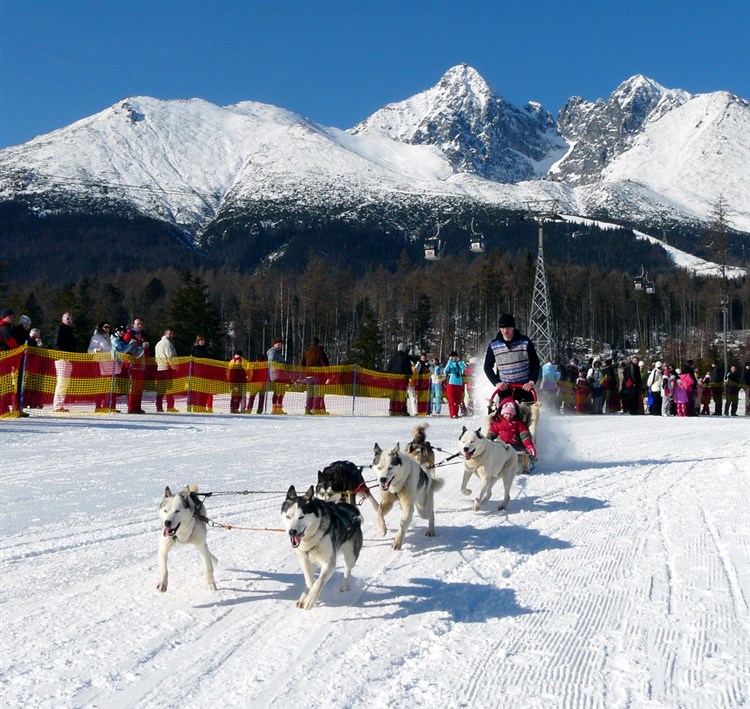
(528,408)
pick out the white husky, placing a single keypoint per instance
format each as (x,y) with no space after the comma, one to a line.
(402,478)
(489,460)
(183,519)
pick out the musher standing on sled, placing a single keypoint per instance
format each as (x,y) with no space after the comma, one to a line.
(511,359)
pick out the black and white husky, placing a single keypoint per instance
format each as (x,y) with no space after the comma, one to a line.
(403,479)
(183,519)
(343,480)
(318,531)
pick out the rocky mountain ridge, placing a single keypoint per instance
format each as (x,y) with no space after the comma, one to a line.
(251,173)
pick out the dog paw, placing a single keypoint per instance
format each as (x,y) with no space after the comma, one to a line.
(465,491)
(344,586)
(475,507)
(308,604)
(430,533)
(396,544)
(502,506)
(212,586)
(161,587)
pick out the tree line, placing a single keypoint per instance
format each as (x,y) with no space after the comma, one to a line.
(360,315)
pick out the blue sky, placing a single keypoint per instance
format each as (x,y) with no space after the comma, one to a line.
(337,62)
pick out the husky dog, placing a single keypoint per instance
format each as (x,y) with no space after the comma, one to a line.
(490,460)
(420,448)
(317,531)
(343,479)
(183,519)
(402,478)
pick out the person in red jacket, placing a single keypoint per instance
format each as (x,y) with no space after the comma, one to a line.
(140,353)
(508,426)
(8,342)
(7,337)
(583,393)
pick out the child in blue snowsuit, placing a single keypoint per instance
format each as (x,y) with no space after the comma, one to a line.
(437,378)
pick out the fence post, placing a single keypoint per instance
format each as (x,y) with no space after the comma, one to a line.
(268,387)
(112,400)
(22,367)
(354,388)
(189,382)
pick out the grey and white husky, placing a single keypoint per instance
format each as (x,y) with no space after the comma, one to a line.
(183,519)
(403,479)
(318,530)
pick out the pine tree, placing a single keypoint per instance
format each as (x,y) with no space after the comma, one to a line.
(367,344)
(190,312)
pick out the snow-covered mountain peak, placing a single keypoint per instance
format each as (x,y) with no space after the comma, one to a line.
(645,99)
(694,155)
(599,132)
(464,83)
(637,87)
(461,90)
(475,128)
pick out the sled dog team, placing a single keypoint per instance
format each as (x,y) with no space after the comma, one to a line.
(321,523)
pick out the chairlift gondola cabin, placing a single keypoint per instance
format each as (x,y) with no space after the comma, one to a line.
(642,284)
(433,247)
(639,281)
(476,242)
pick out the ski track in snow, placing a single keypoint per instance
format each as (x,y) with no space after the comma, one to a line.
(618,577)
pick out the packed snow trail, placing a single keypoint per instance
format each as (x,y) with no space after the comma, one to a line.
(619,576)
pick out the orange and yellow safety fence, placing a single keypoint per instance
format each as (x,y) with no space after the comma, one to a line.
(41,381)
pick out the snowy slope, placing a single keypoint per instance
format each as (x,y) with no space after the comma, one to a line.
(185,161)
(619,577)
(681,259)
(694,155)
(191,163)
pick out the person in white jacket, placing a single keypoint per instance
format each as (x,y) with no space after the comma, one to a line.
(165,354)
(101,346)
(653,385)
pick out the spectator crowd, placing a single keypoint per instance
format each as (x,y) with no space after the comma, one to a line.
(420,384)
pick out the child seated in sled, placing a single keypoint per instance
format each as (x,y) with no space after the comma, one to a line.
(508,425)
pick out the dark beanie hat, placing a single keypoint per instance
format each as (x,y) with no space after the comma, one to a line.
(5,312)
(507,320)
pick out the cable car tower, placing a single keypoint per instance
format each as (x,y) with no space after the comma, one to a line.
(541,326)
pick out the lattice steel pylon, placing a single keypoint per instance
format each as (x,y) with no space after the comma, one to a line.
(541,325)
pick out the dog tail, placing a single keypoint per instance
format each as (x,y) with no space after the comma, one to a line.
(418,434)
(437,483)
